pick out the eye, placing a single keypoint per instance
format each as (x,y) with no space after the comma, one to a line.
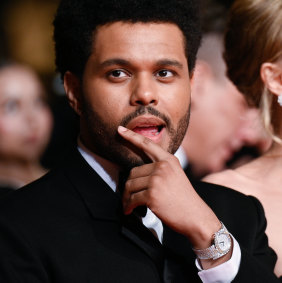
(11,106)
(165,74)
(117,74)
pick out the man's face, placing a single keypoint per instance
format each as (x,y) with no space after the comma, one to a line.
(137,76)
(218,112)
(218,117)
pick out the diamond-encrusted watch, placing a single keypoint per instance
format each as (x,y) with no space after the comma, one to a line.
(220,247)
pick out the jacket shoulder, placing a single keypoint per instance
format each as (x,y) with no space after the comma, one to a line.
(241,214)
(47,190)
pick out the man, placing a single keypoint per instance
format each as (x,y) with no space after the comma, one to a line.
(127,67)
(218,108)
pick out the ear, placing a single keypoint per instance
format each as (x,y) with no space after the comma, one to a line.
(271,75)
(73,91)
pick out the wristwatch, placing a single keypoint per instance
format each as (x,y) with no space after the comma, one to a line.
(221,245)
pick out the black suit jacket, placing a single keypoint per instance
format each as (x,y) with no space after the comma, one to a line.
(5,190)
(68,227)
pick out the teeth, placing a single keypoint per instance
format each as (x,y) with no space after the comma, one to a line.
(148,131)
(154,132)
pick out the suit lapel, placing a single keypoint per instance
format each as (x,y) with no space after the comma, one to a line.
(104,204)
(135,231)
(98,197)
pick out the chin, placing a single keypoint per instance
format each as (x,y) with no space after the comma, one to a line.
(128,159)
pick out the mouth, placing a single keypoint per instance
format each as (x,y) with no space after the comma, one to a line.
(148,131)
(148,126)
(227,153)
(32,139)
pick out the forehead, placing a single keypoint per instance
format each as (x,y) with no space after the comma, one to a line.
(148,41)
(18,81)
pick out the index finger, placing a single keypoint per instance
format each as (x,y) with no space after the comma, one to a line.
(151,149)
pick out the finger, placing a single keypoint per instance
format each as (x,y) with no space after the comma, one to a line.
(141,171)
(151,149)
(134,186)
(136,199)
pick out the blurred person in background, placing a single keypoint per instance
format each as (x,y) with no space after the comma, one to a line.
(253,55)
(25,126)
(26,38)
(220,109)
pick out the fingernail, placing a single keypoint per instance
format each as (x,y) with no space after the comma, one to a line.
(122,129)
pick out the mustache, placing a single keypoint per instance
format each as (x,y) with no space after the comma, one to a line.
(142,110)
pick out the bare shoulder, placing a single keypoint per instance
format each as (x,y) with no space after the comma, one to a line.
(222,178)
(231,179)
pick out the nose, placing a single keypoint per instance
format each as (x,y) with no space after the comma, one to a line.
(236,142)
(144,91)
(252,132)
(31,117)
(241,134)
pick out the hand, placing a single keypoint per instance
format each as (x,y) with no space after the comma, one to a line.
(164,188)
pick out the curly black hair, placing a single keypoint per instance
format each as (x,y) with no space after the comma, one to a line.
(76,21)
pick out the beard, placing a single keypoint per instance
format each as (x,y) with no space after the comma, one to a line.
(103,139)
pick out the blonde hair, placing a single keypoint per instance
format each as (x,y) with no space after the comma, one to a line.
(268,107)
(254,36)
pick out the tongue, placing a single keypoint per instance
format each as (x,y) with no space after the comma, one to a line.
(147,131)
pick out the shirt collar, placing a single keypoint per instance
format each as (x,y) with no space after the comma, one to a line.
(107,170)
(181,155)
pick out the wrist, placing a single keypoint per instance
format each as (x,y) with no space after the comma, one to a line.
(203,235)
(220,244)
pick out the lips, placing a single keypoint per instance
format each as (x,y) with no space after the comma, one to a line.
(32,140)
(148,126)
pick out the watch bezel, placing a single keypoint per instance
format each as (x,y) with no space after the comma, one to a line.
(217,244)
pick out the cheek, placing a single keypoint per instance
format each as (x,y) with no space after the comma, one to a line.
(10,128)
(45,122)
(10,136)
(108,102)
(177,103)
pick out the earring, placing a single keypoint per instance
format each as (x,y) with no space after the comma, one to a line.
(279,100)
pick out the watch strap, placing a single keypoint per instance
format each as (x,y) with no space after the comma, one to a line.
(214,252)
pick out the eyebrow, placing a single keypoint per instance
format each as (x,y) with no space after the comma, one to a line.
(123,62)
(115,61)
(169,62)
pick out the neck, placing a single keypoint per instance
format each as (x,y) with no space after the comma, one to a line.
(18,173)
(274,151)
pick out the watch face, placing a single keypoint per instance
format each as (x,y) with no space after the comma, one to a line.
(223,242)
